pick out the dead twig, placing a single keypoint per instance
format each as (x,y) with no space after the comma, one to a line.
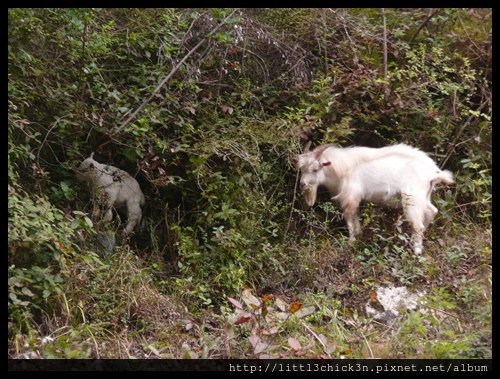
(358,331)
(445,313)
(315,336)
(291,207)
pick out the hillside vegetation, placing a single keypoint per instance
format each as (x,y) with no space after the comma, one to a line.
(206,109)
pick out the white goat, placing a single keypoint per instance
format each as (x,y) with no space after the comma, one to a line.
(120,188)
(360,173)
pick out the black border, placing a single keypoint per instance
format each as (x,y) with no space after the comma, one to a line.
(222,365)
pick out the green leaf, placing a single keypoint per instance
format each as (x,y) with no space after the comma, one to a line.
(27,292)
(88,221)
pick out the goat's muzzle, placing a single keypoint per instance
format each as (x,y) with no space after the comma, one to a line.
(309,193)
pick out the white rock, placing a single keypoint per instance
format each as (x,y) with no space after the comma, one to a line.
(391,300)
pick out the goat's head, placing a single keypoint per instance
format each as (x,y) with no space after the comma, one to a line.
(312,175)
(84,170)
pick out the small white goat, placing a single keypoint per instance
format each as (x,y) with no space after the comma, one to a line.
(355,174)
(120,188)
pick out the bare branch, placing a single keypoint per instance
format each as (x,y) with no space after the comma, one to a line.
(454,143)
(170,74)
(385,43)
(431,14)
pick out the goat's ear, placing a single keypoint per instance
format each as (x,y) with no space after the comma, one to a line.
(327,163)
(307,147)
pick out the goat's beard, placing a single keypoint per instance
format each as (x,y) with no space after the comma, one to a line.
(310,195)
(80,176)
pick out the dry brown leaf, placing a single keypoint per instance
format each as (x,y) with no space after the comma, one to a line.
(281,305)
(346,352)
(323,339)
(305,311)
(267,298)
(242,320)
(235,302)
(188,324)
(241,317)
(257,344)
(330,348)
(294,344)
(294,306)
(227,109)
(254,340)
(270,331)
(260,347)
(282,315)
(249,299)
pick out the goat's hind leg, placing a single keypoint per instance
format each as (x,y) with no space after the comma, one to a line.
(429,214)
(134,215)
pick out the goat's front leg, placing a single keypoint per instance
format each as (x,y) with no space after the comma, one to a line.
(415,210)
(352,219)
(110,202)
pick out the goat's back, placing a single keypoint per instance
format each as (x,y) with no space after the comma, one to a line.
(383,178)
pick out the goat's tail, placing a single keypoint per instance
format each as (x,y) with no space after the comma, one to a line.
(445,177)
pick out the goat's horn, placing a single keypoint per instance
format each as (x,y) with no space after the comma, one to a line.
(92,155)
(308,145)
